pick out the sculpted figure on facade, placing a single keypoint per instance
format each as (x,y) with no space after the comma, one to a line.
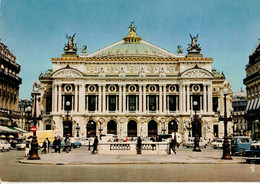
(70,47)
(162,71)
(194,47)
(36,86)
(84,49)
(141,71)
(101,71)
(179,49)
(122,71)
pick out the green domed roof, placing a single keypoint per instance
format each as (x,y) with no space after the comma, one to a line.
(132,46)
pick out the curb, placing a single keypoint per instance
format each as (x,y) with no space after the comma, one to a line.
(120,163)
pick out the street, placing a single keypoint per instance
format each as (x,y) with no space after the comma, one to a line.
(13,171)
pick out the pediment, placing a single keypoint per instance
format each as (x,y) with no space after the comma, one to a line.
(67,73)
(196,73)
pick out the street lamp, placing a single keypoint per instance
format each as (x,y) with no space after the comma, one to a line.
(189,128)
(226,150)
(34,143)
(28,111)
(77,128)
(89,126)
(100,130)
(195,129)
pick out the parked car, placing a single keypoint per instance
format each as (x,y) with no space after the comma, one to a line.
(75,142)
(4,145)
(218,144)
(190,143)
(21,144)
(253,153)
(239,144)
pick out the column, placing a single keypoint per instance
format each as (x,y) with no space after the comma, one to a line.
(59,102)
(82,98)
(99,98)
(54,92)
(164,98)
(140,98)
(104,98)
(120,98)
(144,98)
(210,98)
(76,98)
(204,99)
(181,98)
(124,99)
(160,98)
(188,98)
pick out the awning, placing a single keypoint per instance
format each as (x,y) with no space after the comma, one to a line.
(14,129)
(5,129)
(256,102)
(248,105)
(252,104)
(21,130)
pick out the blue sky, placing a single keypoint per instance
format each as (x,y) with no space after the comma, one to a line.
(34,30)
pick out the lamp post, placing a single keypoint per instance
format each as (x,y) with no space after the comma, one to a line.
(226,150)
(163,128)
(28,111)
(77,128)
(174,127)
(34,143)
(67,121)
(195,129)
(189,129)
(100,130)
(89,126)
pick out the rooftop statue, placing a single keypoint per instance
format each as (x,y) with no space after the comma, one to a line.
(132,27)
(194,47)
(84,49)
(179,49)
(70,47)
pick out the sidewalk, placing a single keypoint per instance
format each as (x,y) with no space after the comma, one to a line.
(81,156)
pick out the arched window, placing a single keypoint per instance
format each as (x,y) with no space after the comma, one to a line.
(112,127)
(132,129)
(152,128)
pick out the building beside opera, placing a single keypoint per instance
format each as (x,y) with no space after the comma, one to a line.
(252,82)
(9,88)
(240,126)
(132,88)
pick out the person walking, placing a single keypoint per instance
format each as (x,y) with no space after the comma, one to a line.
(67,144)
(47,145)
(172,145)
(56,144)
(95,145)
(44,146)
(139,145)
(27,148)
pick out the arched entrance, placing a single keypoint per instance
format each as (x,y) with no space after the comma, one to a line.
(132,129)
(67,128)
(91,128)
(152,128)
(172,125)
(112,127)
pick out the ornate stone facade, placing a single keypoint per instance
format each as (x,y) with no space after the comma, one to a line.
(132,88)
(9,87)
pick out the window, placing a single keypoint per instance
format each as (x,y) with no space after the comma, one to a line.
(152,103)
(91,102)
(112,103)
(215,104)
(172,103)
(48,127)
(132,103)
(48,104)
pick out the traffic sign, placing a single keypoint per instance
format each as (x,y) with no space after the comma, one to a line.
(33,129)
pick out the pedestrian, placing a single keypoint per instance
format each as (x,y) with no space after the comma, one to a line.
(44,145)
(67,144)
(56,144)
(27,148)
(47,145)
(172,145)
(95,145)
(139,145)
